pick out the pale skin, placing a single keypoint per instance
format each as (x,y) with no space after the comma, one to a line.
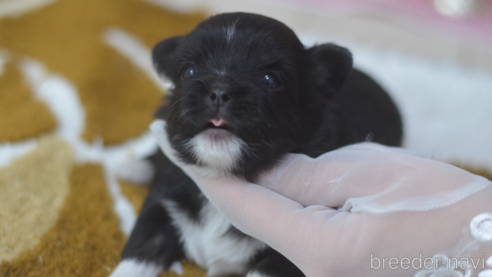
(341,213)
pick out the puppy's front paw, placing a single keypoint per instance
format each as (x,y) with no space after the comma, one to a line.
(134,268)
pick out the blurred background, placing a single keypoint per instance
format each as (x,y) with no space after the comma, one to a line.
(77,93)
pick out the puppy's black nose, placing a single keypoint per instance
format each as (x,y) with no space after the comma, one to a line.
(219,97)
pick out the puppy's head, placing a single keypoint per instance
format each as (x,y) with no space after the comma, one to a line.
(246,91)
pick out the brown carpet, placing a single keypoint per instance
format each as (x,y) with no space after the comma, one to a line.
(66,37)
(21,116)
(56,215)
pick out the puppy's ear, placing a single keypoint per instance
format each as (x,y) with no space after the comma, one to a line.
(164,56)
(330,66)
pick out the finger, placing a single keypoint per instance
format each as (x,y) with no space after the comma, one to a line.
(331,178)
(363,170)
(158,129)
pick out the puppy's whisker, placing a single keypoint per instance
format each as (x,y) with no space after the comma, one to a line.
(183,114)
(176,102)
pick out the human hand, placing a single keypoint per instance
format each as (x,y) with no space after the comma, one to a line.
(342,213)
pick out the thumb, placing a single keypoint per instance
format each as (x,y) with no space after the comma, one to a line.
(370,173)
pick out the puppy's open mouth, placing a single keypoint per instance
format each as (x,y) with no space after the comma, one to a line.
(217,123)
(217,129)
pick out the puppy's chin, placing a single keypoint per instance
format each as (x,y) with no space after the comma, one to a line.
(217,151)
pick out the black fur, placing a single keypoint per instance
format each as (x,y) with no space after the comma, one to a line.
(318,103)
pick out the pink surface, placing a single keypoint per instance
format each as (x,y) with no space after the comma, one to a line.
(477,27)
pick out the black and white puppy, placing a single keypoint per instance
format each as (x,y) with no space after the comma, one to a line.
(246,93)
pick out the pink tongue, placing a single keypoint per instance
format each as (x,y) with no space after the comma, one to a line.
(218,122)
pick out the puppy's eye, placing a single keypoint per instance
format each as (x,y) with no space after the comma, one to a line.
(189,72)
(271,81)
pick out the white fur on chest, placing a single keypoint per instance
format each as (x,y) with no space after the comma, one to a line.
(208,243)
(214,154)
